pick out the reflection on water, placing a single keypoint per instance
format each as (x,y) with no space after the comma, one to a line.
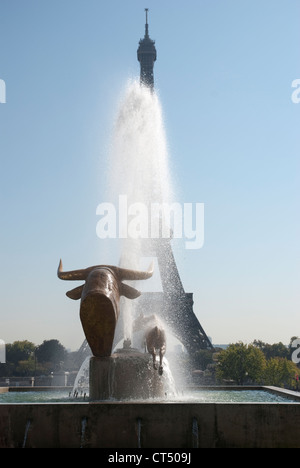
(195,396)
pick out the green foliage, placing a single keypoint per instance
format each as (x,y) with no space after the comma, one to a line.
(19,351)
(280,372)
(203,358)
(24,358)
(26,368)
(52,352)
(274,350)
(241,363)
(259,363)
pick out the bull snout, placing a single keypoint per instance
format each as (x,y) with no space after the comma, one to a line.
(101,282)
(99,310)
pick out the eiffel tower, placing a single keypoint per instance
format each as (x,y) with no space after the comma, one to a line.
(173,305)
(146,55)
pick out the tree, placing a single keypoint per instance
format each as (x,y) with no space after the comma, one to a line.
(240,363)
(19,351)
(26,367)
(274,350)
(280,372)
(52,354)
(202,358)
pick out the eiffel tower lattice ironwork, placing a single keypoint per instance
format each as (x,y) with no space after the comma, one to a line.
(173,304)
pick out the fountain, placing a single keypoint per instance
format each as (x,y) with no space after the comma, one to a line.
(131,396)
(109,308)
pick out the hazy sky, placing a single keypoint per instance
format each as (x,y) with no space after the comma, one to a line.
(224,74)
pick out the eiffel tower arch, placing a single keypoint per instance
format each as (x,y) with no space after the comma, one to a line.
(173,305)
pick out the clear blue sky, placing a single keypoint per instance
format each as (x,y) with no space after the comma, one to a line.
(224,71)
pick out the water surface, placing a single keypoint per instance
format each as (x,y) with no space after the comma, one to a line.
(195,396)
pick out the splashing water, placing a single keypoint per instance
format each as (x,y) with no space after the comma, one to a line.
(139,155)
(81,384)
(139,169)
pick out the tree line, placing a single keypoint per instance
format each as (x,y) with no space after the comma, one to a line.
(24,358)
(257,363)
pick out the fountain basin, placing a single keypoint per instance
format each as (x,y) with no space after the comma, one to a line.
(148,424)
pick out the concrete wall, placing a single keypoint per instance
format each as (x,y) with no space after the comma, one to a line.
(165,425)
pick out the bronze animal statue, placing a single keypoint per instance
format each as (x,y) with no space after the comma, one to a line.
(100,300)
(154,337)
(156,341)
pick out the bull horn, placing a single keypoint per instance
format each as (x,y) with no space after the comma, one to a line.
(122,273)
(79,275)
(131,275)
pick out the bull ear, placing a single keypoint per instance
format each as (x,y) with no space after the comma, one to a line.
(129,291)
(75,293)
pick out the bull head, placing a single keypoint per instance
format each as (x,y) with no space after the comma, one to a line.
(100,300)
